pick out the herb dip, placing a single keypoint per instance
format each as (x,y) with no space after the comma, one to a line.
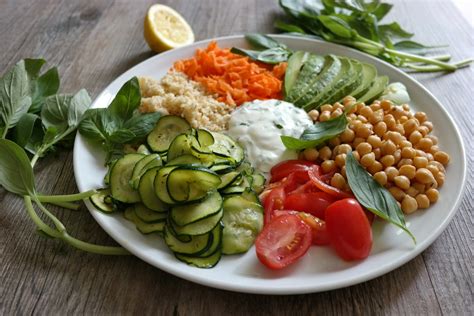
(258,125)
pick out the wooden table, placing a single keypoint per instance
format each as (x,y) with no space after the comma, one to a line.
(93,42)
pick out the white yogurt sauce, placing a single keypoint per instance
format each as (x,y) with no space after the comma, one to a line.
(258,125)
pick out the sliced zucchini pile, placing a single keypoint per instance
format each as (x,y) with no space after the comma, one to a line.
(313,80)
(193,187)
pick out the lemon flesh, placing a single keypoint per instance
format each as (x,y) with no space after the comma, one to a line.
(166,29)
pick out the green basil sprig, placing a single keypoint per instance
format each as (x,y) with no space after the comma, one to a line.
(373,196)
(317,134)
(268,50)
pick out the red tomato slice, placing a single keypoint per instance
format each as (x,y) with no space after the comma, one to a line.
(295,180)
(283,241)
(315,176)
(349,229)
(314,203)
(275,200)
(285,168)
(318,229)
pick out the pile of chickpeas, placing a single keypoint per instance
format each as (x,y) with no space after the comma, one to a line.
(391,143)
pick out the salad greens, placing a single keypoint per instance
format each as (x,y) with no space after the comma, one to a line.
(356,23)
(373,196)
(120,123)
(34,117)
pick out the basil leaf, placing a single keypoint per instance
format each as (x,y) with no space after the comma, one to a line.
(33,67)
(24,129)
(263,41)
(126,101)
(253,54)
(16,174)
(44,86)
(14,97)
(142,124)
(302,8)
(373,196)
(55,111)
(274,55)
(122,136)
(393,30)
(80,102)
(382,10)
(287,27)
(414,47)
(336,25)
(317,134)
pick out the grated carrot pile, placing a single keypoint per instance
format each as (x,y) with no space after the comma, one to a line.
(234,78)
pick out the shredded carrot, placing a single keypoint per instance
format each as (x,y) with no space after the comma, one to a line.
(234,78)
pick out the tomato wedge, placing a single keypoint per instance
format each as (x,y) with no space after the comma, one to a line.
(275,200)
(315,176)
(314,203)
(283,241)
(318,229)
(349,229)
(285,168)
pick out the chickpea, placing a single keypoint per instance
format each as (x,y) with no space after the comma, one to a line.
(410,126)
(397,112)
(420,187)
(387,160)
(420,116)
(328,166)
(325,116)
(388,147)
(425,144)
(366,111)
(434,149)
(434,170)
(335,141)
(407,171)
(420,162)
(344,149)
(343,171)
(428,124)
(424,176)
(404,162)
(351,116)
(408,152)
(340,160)
(423,130)
(367,159)
(397,155)
(438,165)
(403,119)
(409,204)
(326,107)
(357,141)
(412,191)
(336,106)
(364,148)
(375,167)
(380,128)
(402,182)
(397,193)
(364,131)
(314,114)
(311,154)
(406,107)
(325,153)
(441,157)
(336,113)
(391,172)
(399,129)
(374,141)
(432,195)
(381,177)
(422,201)
(338,181)
(440,178)
(377,152)
(386,105)
(433,138)
(376,117)
(405,144)
(375,106)
(347,136)
(429,157)
(415,137)
(390,121)
(356,155)
(348,101)
(395,137)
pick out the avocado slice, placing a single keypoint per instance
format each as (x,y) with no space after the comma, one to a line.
(295,63)
(369,73)
(306,77)
(332,68)
(379,85)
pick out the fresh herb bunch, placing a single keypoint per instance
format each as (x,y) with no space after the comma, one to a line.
(356,23)
(34,117)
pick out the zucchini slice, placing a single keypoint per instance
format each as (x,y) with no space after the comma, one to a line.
(147,191)
(204,263)
(100,201)
(184,160)
(120,177)
(258,182)
(200,227)
(160,184)
(216,241)
(243,221)
(147,162)
(181,145)
(187,184)
(227,147)
(228,178)
(149,216)
(165,131)
(195,246)
(204,138)
(143,227)
(183,215)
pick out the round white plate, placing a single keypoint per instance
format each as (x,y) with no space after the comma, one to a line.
(320,269)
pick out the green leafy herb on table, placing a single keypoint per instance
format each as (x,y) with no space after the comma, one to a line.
(120,123)
(356,24)
(267,49)
(34,117)
(373,196)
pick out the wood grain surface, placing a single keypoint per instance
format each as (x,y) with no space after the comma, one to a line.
(93,42)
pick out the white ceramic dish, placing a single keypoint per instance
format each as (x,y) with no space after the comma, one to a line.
(320,269)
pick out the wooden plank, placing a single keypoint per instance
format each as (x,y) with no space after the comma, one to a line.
(94,42)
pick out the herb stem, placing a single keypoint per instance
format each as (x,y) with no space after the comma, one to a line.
(39,223)
(59,226)
(66,198)
(426,60)
(69,205)
(35,159)
(5,131)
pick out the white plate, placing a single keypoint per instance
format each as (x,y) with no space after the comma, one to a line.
(320,269)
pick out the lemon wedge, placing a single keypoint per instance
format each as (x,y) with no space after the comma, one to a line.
(166,29)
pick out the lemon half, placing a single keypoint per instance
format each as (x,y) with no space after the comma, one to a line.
(166,29)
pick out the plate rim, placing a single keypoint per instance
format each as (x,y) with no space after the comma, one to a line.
(289,290)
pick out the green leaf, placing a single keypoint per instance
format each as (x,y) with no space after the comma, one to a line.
(33,67)
(317,134)
(302,8)
(287,27)
(261,41)
(142,124)
(373,196)
(95,125)
(252,54)
(382,10)
(269,56)
(336,25)
(23,131)
(44,86)
(393,30)
(122,136)
(80,102)
(16,174)
(414,47)
(55,111)
(14,96)
(126,101)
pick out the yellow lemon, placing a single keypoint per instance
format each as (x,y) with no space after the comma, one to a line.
(166,29)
